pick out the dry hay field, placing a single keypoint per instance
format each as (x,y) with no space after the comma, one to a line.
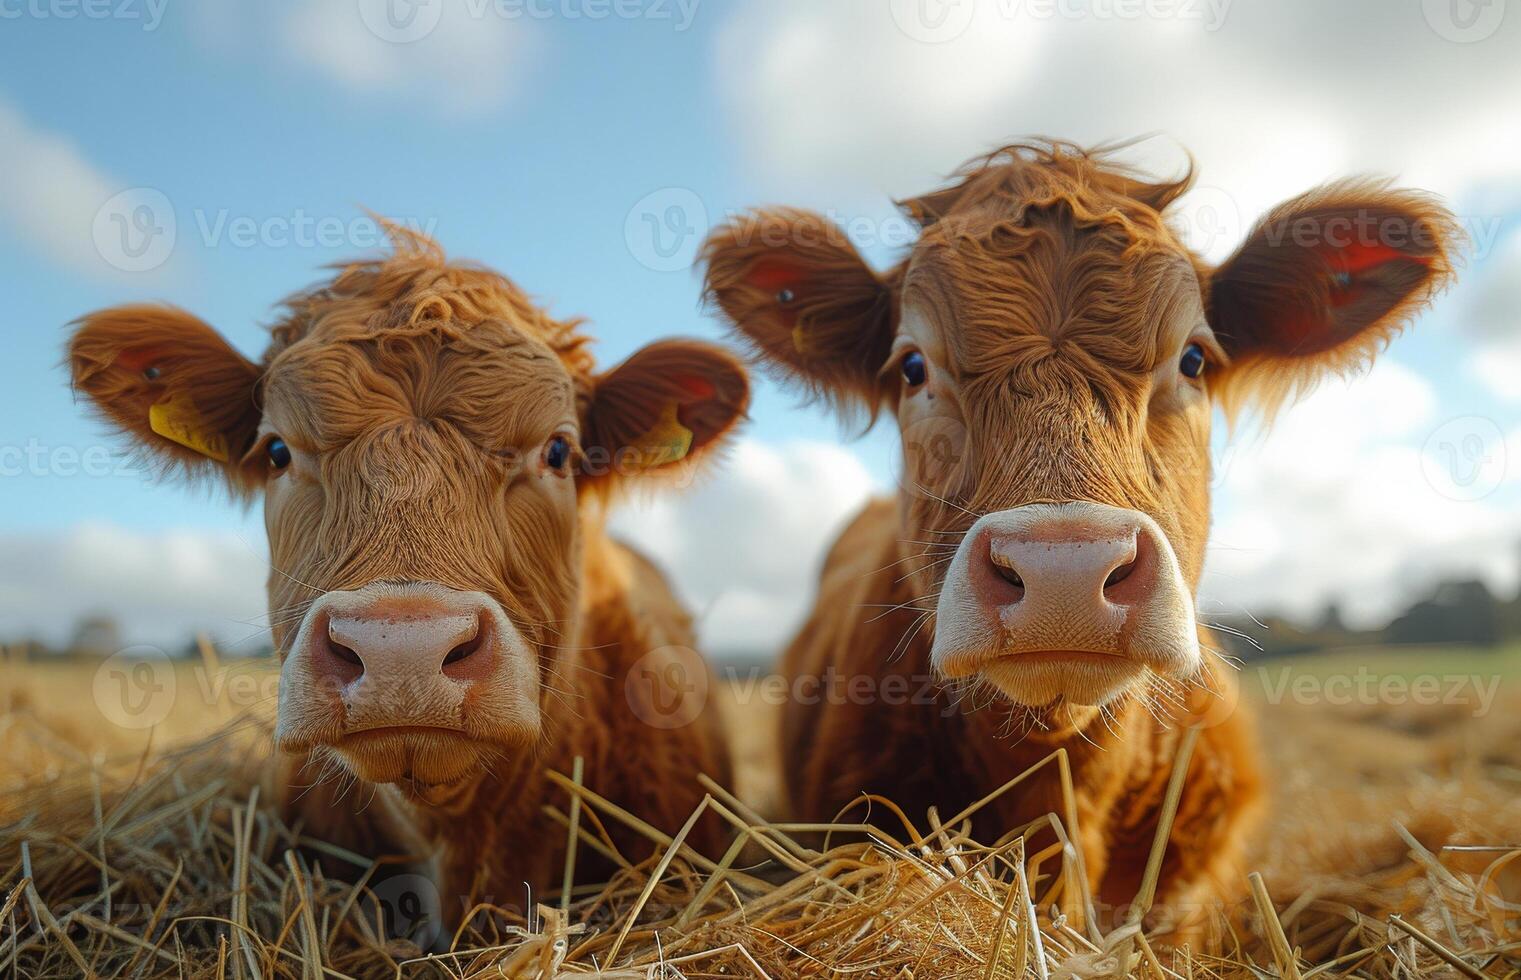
(1391,853)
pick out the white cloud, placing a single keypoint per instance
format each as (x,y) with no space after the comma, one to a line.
(1498,367)
(456,56)
(1492,321)
(834,100)
(52,193)
(1347,498)
(160,587)
(745,545)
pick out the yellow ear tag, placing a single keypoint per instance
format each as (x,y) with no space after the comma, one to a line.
(667,442)
(177,420)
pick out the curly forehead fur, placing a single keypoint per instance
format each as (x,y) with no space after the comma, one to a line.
(416,291)
(1083,270)
(1009,182)
(1047,224)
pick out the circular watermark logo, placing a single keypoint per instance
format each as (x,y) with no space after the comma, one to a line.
(134,231)
(1464,459)
(401,21)
(667,687)
(1208,218)
(411,908)
(134,688)
(933,21)
(1463,21)
(664,228)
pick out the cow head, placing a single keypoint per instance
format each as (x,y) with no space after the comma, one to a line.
(1051,350)
(429,445)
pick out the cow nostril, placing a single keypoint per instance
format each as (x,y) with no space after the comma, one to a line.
(1126,572)
(462,662)
(352,667)
(1120,574)
(1009,575)
(462,651)
(345,654)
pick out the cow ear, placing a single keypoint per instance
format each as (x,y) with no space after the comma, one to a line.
(669,405)
(171,383)
(802,297)
(1321,285)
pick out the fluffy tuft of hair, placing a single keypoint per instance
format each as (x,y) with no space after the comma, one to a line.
(416,289)
(1011,178)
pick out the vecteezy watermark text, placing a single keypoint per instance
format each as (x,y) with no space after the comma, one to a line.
(297,229)
(407,21)
(1366,688)
(137,230)
(37,459)
(150,12)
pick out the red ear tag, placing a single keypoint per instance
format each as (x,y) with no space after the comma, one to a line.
(701,389)
(773,276)
(783,281)
(140,359)
(1360,257)
(1347,263)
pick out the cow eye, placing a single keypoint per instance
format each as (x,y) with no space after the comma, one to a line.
(915,369)
(1192,362)
(557,453)
(279,453)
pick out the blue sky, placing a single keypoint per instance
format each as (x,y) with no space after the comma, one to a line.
(538,187)
(543,141)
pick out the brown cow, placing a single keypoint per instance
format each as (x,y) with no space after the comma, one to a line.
(436,454)
(1051,350)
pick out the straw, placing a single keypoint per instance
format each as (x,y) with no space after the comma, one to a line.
(179,864)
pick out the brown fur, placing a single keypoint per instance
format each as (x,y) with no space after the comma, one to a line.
(1058,300)
(414,392)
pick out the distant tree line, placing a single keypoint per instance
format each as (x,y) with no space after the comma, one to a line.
(98,635)
(1460,611)
(1463,611)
